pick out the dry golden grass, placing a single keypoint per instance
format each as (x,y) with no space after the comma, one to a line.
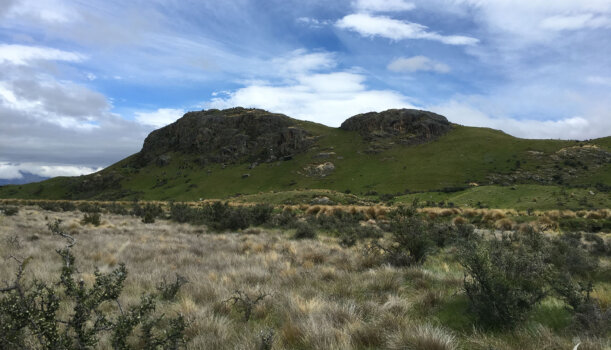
(504,224)
(322,295)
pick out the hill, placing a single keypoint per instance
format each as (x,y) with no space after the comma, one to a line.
(26,178)
(221,153)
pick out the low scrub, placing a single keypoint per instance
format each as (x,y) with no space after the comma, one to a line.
(503,280)
(220,216)
(29,311)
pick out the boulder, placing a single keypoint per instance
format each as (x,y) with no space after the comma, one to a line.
(405,126)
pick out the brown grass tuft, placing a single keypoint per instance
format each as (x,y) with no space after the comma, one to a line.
(504,224)
(423,337)
(459,220)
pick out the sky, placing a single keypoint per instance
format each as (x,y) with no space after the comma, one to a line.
(83,82)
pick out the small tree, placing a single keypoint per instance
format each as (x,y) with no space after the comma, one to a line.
(411,241)
(504,279)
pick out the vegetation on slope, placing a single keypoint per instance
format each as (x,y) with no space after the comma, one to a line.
(345,161)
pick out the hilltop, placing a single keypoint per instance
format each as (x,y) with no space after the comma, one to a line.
(238,151)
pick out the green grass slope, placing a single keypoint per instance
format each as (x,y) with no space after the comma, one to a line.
(464,156)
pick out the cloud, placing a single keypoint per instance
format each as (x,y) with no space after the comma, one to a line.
(300,62)
(24,55)
(313,22)
(54,125)
(48,11)
(575,22)
(386,27)
(324,97)
(383,5)
(417,63)
(526,22)
(13,170)
(576,127)
(160,117)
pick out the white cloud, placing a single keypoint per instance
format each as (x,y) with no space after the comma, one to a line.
(417,63)
(386,27)
(522,22)
(300,62)
(576,127)
(12,170)
(49,11)
(327,98)
(160,117)
(23,55)
(313,22)
(574,22)
(383,5)
(598,80)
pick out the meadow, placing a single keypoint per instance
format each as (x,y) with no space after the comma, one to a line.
(258,287)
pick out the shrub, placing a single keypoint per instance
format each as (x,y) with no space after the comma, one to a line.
(93,218)
(593,319)
(567,254)
(29,311)
(287,218)
(304,231)
(116,208)
(67,206)
(149,212)
(168,291)
(245,303)
(182,213)
(87,207)
(504,279)
(50,206)
(261,214)
(410,238)
(9,210)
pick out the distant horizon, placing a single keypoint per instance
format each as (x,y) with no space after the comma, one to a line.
(83,83)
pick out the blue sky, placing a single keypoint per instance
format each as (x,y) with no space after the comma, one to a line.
(83,82)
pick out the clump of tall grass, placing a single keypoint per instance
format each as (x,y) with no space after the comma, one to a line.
(423,337)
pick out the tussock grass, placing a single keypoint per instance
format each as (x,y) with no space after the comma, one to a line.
(322,295)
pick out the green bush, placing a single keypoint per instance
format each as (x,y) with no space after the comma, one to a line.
(304,231)
(504,278)
(149,212)
(87,207)
(260,214)
(411,241)
(182,213)
(9,210)
(50,206)
(116,208)
(93,218)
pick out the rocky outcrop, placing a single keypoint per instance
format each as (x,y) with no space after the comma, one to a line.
(405,126)
(227,136)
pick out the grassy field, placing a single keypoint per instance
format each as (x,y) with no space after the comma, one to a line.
(320,294)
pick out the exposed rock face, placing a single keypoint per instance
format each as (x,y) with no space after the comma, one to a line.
(227,136)
(319,170)
(406,126)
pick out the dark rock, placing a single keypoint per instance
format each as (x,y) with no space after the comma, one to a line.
(228,136)
(163,160)
(406,126)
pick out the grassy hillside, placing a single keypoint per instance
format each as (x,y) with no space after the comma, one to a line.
(464,156)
